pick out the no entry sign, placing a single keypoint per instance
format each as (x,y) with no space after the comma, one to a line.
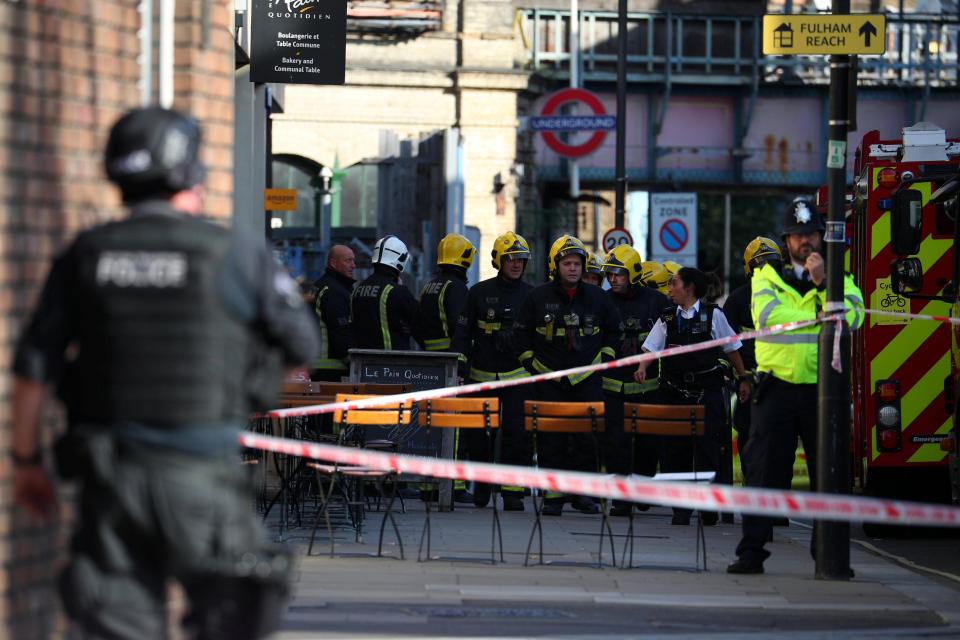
(548,123)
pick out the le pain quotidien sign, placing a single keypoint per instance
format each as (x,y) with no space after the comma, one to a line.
(298,41)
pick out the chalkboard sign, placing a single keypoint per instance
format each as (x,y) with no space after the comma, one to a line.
(419,375)
(421,370)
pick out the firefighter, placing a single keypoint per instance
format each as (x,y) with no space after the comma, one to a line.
(785,397)
(441,303)
(332,308)
(639,308)
(562,324)
(758,252)
(655,276)
(442,299)
(157,328)
(486,340)
(383,310)
(692,378)
(593,273)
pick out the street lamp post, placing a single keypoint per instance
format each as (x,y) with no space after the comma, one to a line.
(326,175)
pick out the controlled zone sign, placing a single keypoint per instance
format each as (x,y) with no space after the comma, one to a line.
(615,237)
(549,123)
(824,34)
(673,220)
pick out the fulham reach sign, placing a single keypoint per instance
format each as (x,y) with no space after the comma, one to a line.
(824,34)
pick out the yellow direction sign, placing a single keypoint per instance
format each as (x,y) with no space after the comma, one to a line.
(280,199)
(824,34)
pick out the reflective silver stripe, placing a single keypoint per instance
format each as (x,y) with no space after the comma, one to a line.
(766,311)
(803,338)
(760,292)
(854,302)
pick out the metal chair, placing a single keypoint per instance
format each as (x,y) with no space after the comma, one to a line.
(667,420)
(351,424)
(566,417)
(462,413)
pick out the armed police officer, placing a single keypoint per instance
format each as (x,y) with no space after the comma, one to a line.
(692,378)
(639,308)
(154,327)
(383,309)
(785,398)
(486,340)
(332,307)
(563,324)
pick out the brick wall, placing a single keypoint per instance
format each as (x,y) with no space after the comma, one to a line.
(68,69)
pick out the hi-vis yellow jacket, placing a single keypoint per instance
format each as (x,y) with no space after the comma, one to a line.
(792,356)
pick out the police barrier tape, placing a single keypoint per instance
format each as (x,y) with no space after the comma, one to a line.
(913,316)
(714,497)
(445,392)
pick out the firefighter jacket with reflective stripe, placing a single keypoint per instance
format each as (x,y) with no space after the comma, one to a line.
(441,302)
(698,367)
(169,315)
(332,307)
(485,333)
(792,356)
(639,309)
(383,312)
(556,332)
(737,310)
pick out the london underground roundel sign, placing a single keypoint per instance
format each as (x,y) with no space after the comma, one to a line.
(549,124)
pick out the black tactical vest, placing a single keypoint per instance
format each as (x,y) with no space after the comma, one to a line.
(157,344)
(686,331)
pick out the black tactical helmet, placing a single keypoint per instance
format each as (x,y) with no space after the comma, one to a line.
(802,217)
(153,152)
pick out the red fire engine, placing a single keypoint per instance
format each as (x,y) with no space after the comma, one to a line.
(904,372)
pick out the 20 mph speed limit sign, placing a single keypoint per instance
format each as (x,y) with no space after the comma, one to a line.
(616,236)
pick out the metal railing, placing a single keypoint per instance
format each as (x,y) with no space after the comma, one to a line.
(921,49)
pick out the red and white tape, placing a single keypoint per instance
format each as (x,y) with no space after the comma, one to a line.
(714,497)
(913,316)
(446,392)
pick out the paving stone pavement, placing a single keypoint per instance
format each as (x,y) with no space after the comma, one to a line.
(459,593)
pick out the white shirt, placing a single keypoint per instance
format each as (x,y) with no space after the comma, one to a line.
(719,328)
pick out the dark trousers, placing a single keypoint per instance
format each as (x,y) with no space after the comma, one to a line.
(783,412)
(147,516)
(574,452)
(646,452)
(617,445)
(700,454)
(514,441)
(741,422)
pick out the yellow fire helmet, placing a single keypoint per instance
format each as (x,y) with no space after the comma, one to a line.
(509,244)
(594,264)
(760,251)
(672,267)
(624,258)
(456,250)
(655,275)
(566,246)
